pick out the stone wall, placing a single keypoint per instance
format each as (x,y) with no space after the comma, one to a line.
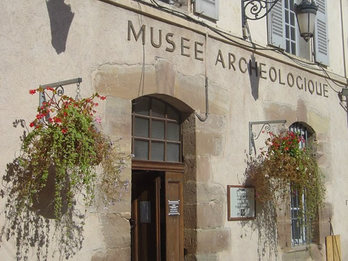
(98,49)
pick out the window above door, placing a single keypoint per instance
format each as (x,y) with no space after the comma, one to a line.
(156,131)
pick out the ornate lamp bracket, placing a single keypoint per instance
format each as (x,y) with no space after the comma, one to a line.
(256,9)
(266,126)
(58,86)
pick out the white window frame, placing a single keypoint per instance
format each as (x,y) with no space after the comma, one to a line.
(291,31)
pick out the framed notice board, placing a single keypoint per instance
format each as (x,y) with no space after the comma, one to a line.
(240,202)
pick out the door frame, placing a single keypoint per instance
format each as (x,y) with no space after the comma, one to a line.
(166,167)
(157,166)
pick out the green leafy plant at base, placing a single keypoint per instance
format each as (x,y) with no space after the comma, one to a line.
(280,169)
(55,169)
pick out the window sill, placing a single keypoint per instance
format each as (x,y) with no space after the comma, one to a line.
(174,6)
(303,248)
(298,248)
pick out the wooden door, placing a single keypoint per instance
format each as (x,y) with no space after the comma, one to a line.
(145,222)
(157,216)
(174,213)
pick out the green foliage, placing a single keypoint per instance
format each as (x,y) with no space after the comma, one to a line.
(57,165)
(285,164)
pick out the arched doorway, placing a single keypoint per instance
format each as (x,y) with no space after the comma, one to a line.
(157,181)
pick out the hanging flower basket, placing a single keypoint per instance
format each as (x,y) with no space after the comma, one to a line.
(283,164)
(57,167)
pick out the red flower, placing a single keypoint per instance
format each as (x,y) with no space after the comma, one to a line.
(57,120)
(286,148)
(50,120)
(32,92)
(49,89)
(102,97)
(64,131)
(96,104)
(32,124)
(40,116)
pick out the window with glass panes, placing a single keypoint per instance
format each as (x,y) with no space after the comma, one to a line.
(290,27)
(283,31)
(156,131)
(298,222)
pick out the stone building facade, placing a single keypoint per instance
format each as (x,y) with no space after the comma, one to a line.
(195,59)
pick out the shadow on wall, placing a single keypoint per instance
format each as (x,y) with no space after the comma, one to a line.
(60,20)
(30,213)
(254,77)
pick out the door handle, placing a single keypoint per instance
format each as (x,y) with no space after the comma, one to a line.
(132,223)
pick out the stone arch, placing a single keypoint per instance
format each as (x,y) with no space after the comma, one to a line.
(188,125)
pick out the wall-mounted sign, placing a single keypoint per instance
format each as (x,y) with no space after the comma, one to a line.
(241,202)
(173,207)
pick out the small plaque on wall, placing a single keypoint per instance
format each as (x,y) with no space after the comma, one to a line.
(241,202)
(173,206)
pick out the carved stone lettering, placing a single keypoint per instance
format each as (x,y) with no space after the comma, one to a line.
(186,47)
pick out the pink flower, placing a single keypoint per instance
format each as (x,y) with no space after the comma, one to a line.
(97,119)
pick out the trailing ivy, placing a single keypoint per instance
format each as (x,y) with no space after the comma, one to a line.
(56,166)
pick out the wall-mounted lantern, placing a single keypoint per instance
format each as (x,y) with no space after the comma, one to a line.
(305,12)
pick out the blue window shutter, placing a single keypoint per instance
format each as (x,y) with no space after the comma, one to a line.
(276,25)
(321,35)
(207,8)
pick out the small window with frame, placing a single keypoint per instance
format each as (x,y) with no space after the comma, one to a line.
(299,220)
(156,131)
